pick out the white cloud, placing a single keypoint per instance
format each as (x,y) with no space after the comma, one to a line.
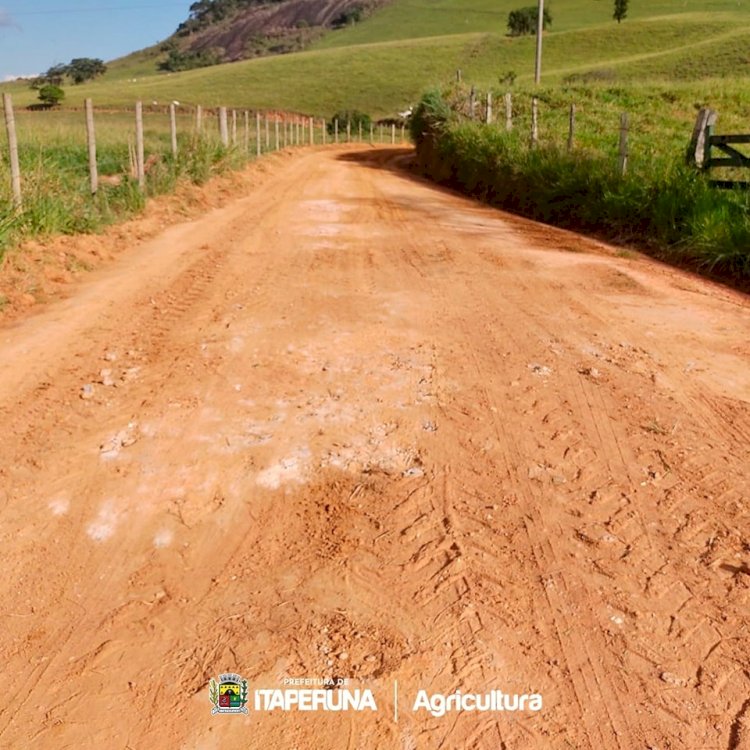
(12,77)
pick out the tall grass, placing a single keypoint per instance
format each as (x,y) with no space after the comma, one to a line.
(54,168)
(661,204)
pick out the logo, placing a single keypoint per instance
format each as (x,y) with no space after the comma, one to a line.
(229,694)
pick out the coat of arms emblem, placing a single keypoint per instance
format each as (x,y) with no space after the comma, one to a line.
(229,694)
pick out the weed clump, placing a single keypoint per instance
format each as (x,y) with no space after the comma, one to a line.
(56,193)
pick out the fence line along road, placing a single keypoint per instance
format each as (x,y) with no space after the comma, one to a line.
(289,129)
(483,111)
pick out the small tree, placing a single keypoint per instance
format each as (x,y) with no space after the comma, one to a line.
(51,95)
(54,75)
(621,10)
(524,20)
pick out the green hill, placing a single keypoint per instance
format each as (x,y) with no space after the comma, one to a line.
(382,64)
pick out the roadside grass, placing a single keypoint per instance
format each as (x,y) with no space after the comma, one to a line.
(55,171)
(661,204)
(54,168)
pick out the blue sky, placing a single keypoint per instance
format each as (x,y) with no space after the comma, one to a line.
(36,34)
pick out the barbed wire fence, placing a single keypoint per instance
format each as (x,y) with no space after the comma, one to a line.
(252,133)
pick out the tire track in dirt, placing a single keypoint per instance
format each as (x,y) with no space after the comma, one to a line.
(447,557)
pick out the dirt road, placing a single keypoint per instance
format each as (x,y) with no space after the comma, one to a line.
(354,426)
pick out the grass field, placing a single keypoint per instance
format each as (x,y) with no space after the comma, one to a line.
(384,63)
(410,19)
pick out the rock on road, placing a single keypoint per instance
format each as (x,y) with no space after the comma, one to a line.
(353,425)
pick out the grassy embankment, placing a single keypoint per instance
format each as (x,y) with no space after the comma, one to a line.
(54,169)
(660,203)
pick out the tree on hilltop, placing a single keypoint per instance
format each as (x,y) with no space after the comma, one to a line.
(79,69)
(621,10)
(85,68)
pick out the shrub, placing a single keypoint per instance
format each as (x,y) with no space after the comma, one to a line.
(348,17)
(178,59)
(51,95)
(524,20)
(352,116)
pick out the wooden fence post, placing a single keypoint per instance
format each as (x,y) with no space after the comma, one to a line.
(173,127)
(15,169)
(473,103)
(91,142)
(458,76)
(258,149)
(403,133)
(572,128)
(140,165)
(234,127)
(247,131)
(268,133)
(372,137)
(488,109)
(534,122)
(325,131)
(509,112)
(699,149)
(223,127)
(348,131)
(312,131)
(380,132)
(276,133)
(623,157)
(393,133)
(199,119)
(360,131)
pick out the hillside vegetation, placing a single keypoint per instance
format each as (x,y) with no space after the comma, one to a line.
(385,62)
(658,201)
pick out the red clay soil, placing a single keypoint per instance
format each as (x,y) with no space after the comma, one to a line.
(350,425)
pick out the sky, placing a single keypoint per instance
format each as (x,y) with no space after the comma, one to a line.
(36,34)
